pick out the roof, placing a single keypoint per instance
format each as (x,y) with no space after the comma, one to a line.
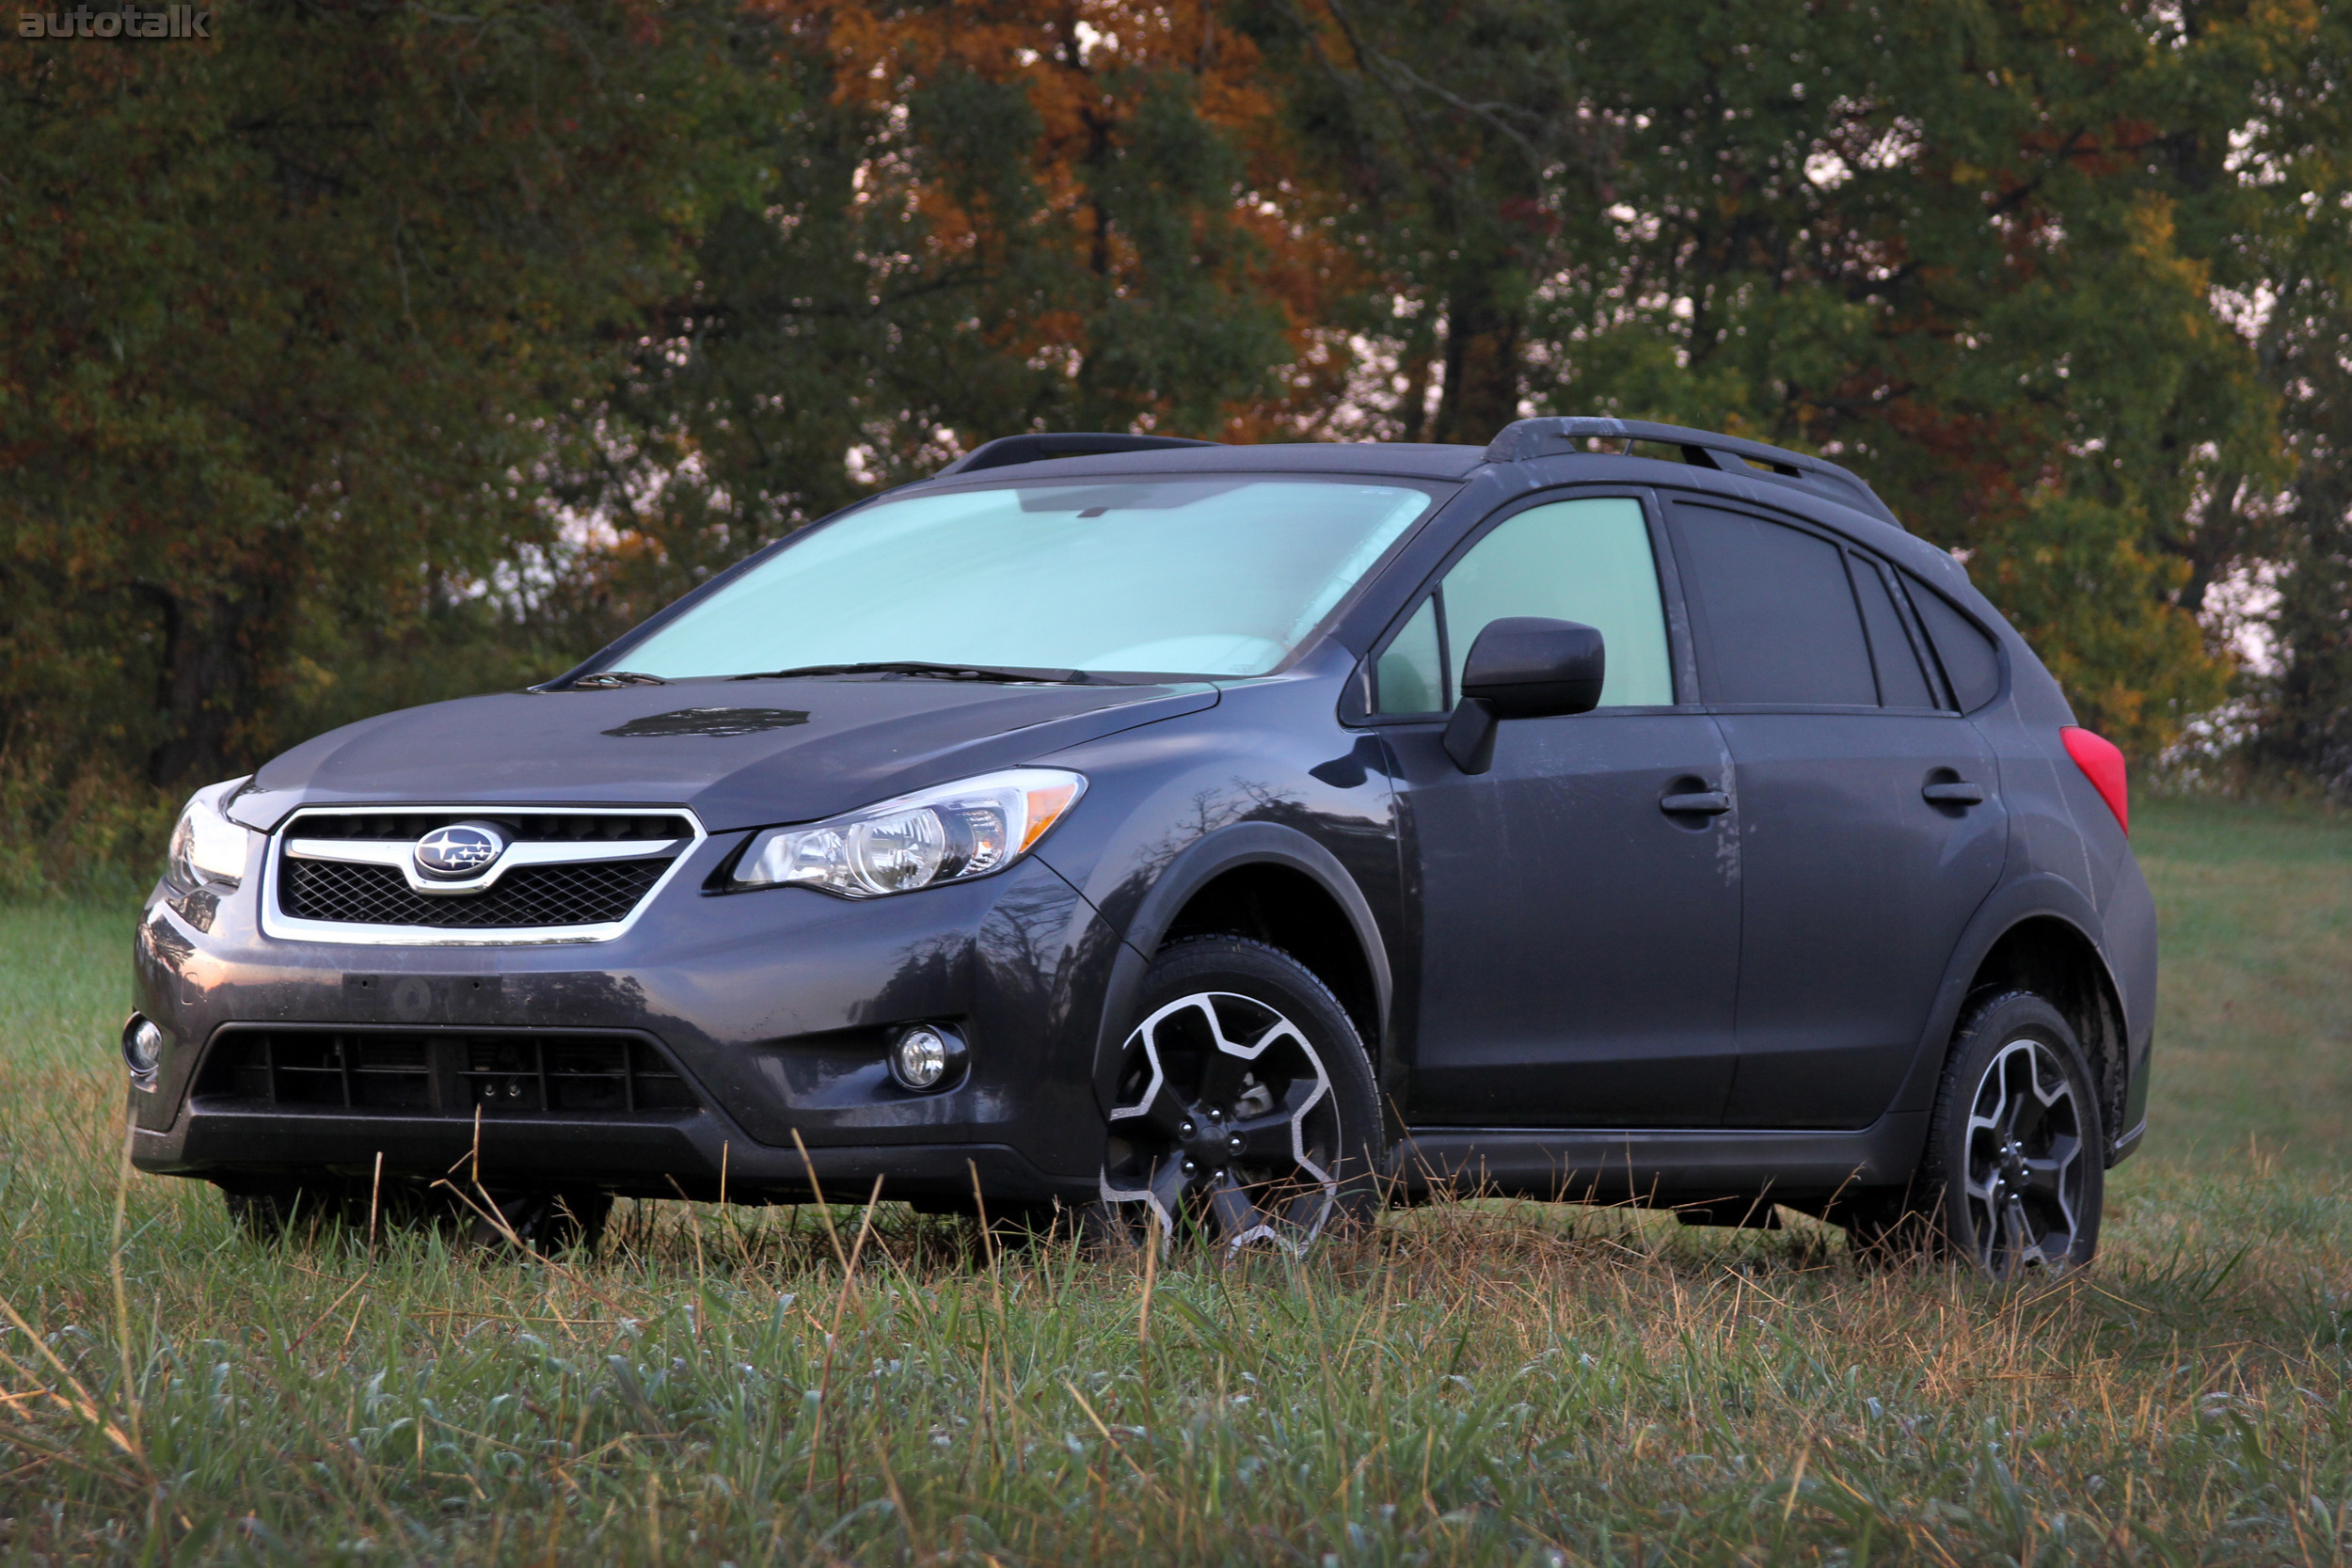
(1085,456)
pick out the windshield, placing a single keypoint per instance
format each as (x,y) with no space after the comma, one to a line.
(1204,577)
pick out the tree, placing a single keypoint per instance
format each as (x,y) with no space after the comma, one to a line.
(2286,279)
(1966,251)
(296,324)
(978,219)
(1460,140)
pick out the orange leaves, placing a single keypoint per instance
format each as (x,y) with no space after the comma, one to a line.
(1154,165)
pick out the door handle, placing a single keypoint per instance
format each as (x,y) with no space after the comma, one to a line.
(1952,792)
(1703,802)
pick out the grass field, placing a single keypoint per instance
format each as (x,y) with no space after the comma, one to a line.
(1483,1382)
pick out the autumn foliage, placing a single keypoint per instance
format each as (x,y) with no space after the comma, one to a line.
(368,354)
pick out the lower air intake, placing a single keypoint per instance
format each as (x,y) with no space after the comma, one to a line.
(445,1073)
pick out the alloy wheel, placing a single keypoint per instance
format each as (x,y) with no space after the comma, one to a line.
(1226,1126)
(2024,1161)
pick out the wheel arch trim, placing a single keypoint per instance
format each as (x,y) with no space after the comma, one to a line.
(2043,897)
(1192,870)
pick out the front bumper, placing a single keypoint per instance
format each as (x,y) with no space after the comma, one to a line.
(775,1007)
(687,1157)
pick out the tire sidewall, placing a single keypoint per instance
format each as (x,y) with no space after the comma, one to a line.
(1992,1024)
(569,1220)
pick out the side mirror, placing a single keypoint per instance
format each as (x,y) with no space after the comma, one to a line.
(1523,667)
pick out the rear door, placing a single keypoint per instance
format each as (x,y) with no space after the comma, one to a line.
(1577,945)
(1862,855)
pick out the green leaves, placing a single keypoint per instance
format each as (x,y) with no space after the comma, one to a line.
(361,356)
(1970,251)
(295,326)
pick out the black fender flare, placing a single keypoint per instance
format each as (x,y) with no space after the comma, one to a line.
(2043,896)
(1194,868)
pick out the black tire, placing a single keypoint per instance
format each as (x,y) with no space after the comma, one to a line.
(547,1222)
(271,1210)
(2013,1176)
(1247,1112)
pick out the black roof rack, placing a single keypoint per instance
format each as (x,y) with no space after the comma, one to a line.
(1007,449)
(1557,437)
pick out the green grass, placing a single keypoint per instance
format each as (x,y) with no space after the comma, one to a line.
(2254,1026)
(1478,1383)
(65,983)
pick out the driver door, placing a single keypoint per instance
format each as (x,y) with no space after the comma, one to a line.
(1578,945)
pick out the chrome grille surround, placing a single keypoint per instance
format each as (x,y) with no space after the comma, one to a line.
(381,856)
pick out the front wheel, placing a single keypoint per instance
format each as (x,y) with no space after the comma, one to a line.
(546,1222)
(1245,1112)
(2014,1174)
(269,1210)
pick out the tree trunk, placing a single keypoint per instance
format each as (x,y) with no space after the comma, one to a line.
(1412,410)
(214,680)
(1482,362)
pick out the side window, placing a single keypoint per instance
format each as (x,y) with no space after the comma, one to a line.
(1971,662)
(1585,561)
(1411,676)
(1902,681)
(1776,619)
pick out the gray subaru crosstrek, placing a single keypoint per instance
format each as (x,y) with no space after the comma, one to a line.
(1146,834)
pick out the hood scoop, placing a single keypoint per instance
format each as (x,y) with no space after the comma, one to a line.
(712,721)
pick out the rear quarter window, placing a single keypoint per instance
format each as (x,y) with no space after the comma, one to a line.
(1902,680)
(1971,660)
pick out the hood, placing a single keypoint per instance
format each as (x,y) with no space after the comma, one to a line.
(738,754)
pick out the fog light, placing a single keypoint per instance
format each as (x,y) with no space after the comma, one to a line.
(142,1046)
(927,1056)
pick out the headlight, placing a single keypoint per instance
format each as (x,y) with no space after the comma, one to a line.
(948,834)
(206,846)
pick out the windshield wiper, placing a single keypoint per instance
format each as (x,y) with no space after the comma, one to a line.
(930,670)
(605,679)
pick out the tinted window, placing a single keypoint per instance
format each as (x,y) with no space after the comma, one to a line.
(1411,676)
(1971,662)
(1778,622)
(1901,681)
(1586,561)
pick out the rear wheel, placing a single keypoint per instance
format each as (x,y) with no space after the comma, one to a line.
(1245,1112)
(2013,1176)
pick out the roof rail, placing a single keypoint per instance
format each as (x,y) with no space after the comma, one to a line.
(1007,449)
(1557,437)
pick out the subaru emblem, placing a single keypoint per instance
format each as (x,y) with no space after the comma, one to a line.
(461,849)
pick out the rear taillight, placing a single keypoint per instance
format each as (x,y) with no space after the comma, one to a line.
(2102,764)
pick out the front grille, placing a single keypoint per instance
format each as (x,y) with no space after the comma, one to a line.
(583,893)
(567,827)
(444,1072)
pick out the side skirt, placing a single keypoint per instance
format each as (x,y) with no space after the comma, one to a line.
(1617,1164)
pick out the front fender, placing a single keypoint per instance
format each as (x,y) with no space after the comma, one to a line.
(1194,868)
(1268,777)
